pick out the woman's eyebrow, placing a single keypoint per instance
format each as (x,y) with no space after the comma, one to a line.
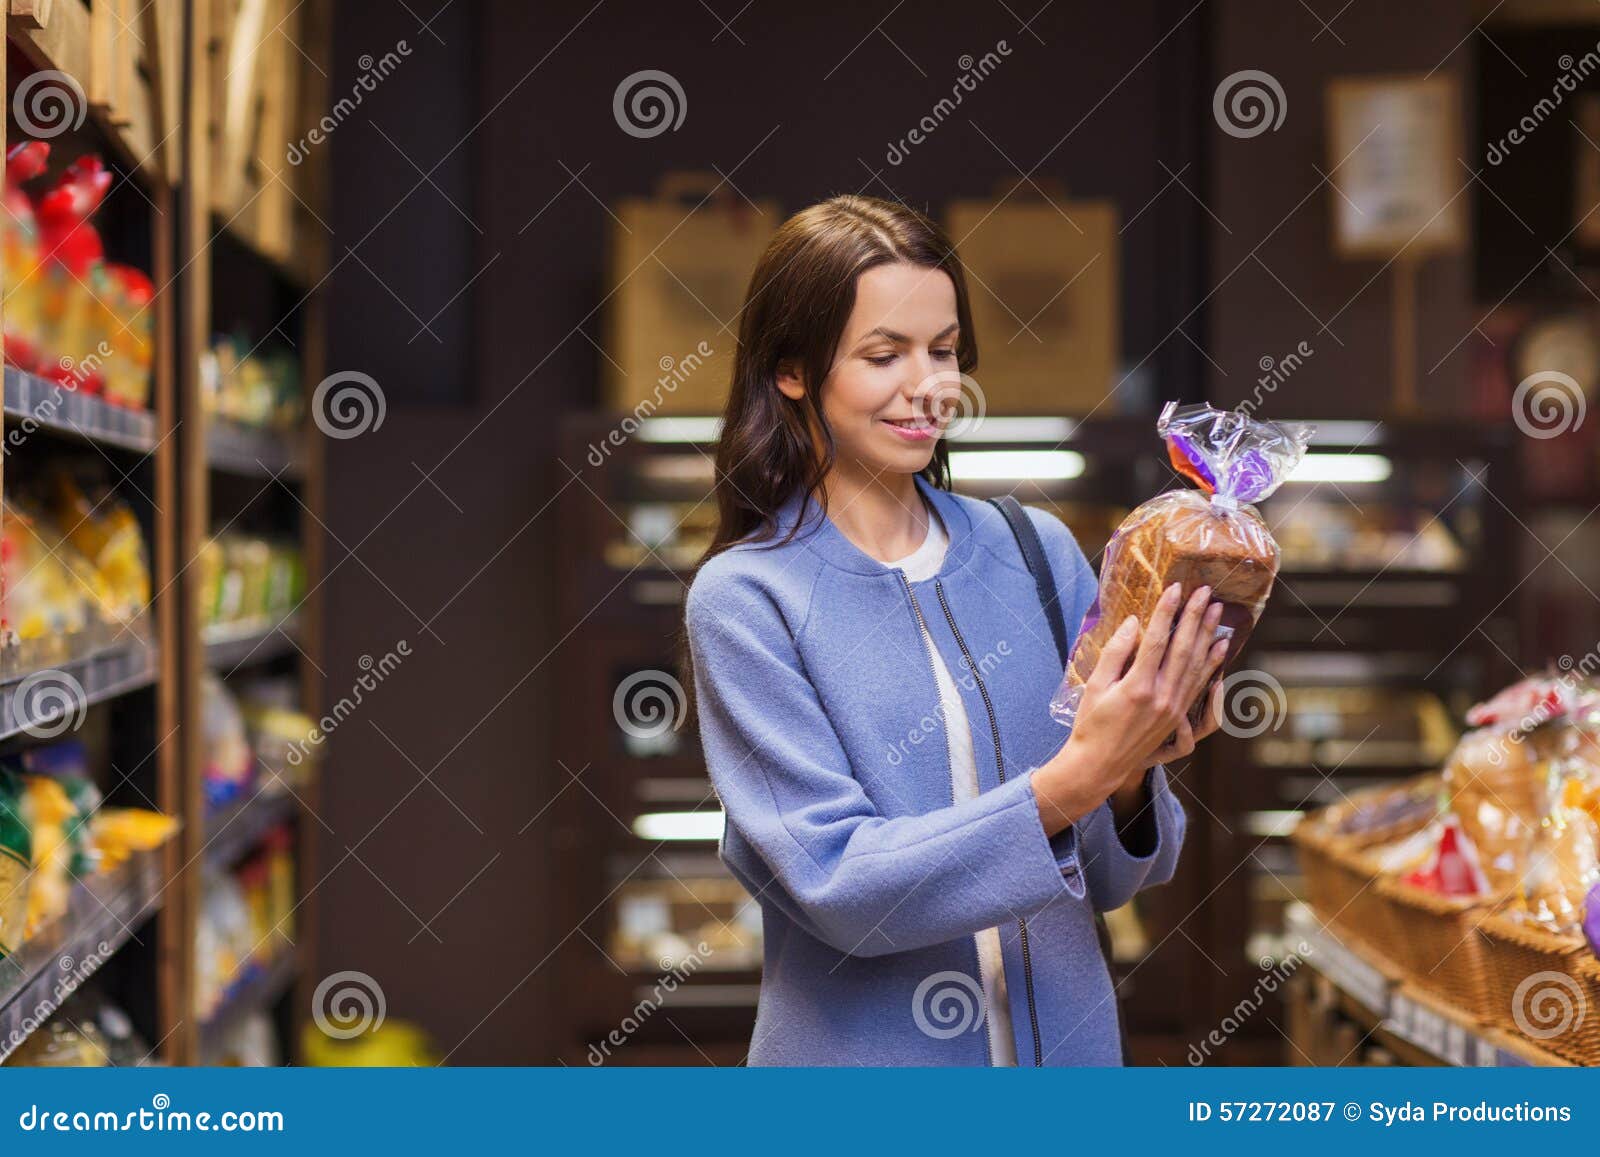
(902,339)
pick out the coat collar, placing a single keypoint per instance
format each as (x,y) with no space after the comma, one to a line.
(819,534)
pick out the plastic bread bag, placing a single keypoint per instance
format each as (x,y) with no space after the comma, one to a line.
(1500,790)
(1564,866)
(1211,536)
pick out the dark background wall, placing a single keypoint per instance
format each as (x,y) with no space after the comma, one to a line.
(1276,280)
(443,522)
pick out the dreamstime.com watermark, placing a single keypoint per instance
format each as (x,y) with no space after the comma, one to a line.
(947,1004)
(972,73)
(674,372)
(935,720)
(1253,703)
(347,1004)
(1248,103)
(48,103)
(76,372)
(347,404)
(1274,372)
(649,103)
(1547,1004)
(48,704)
(1275,973)
(1573,73)
(1547,404)
(1574,674)
(674,974)
(376,672)
(160,1117)
(372,71)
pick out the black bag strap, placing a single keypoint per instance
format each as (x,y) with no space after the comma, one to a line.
(1039,567)
(1038,563)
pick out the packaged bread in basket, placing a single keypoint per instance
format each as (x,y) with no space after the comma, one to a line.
(1210,537)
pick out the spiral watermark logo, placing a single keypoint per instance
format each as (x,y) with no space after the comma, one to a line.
(1249,103)
(947,1004)
(160,1101)
(49,103)
(348,1004)
(1548,1004)
(649,103)
(952,401)
(1253,702)
(348,404)
(48,704)
(1547,404)
(648,704)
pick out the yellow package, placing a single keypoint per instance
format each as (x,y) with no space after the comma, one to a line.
(46,810)
(118,832)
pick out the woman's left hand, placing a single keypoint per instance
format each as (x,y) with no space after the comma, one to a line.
(1184,740)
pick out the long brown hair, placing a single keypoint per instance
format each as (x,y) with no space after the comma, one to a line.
(795,312)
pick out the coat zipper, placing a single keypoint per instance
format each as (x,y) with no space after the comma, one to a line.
(927,647)
(1000,769)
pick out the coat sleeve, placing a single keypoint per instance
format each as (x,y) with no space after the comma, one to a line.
(802,835)
(1115,870)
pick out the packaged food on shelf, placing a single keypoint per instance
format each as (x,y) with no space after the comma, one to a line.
(228,771)
(67,763)
(243,385)
(115,833)
(249,580)
(72,316)
(280,738)
(660,924)
(46,809)
(1323,535)
(1213,537)
(390,1044)
(103,527)
(246,921)
(131,337)
(16,861)
(48,608)
(23,261)
(64,1043)
(250,1044)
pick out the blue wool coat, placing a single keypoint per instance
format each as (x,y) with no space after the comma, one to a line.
(822,730)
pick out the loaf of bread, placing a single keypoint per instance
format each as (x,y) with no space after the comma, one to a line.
(1207,537)
(1181,537)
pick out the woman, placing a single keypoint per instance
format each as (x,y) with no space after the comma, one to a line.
(873,671)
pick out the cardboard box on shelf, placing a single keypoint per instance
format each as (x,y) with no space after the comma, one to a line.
(679,264)
(1044,276)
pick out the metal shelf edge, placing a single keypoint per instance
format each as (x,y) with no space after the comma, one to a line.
(48,969)
(61,411)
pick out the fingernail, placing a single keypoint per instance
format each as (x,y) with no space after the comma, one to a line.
(1131,623)
(1203,593)
(1171,593)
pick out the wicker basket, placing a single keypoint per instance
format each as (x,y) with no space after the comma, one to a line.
(1438,943)
(1544,988)
(1341,879)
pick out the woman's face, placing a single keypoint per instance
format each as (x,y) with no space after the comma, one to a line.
(894,380)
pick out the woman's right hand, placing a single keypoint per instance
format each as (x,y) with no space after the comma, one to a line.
(1128,711)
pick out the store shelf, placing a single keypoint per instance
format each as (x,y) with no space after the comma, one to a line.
(1393,1009)
(235,448)
(38,701)
(236,830)
(106,911)
(260,991)
(58,410)
(231,645)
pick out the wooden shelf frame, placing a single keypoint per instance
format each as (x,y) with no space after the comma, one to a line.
(145,69)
